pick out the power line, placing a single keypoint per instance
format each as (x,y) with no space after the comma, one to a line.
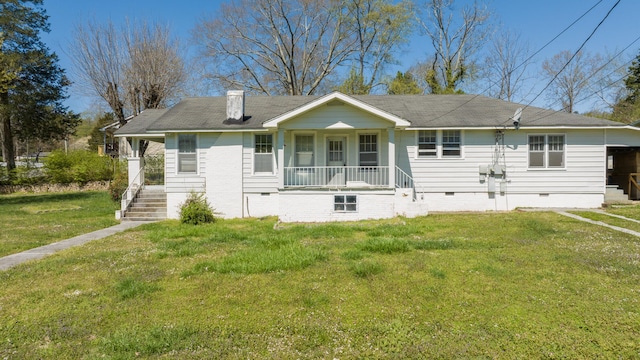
(525,61)
(574,54)
(597,71)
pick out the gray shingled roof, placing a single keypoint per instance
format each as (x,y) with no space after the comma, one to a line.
(422,111)
(140,123)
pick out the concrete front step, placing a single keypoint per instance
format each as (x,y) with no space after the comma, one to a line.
(615,195)
(149,205)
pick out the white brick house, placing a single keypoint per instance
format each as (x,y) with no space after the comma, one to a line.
(339,157)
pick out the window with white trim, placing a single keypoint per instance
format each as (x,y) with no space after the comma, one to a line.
(368,150)
(439,144)
(304,150)
(187,162)
(546,151)
(427,143)
(345,203)
(451,143)
(263,153)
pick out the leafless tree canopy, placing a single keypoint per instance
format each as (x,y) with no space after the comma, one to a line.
(133,68)
(275,47)
(574,81)
(506,64)
(455,39)
(156,71)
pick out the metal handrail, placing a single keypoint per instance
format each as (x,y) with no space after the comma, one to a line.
(132,190)
(405,181)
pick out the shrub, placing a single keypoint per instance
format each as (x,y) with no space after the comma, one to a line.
(119,184)
(196,210)
(79,166)
(22,175)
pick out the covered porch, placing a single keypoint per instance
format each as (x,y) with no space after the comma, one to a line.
(329,159)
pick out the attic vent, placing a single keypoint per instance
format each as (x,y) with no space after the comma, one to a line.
(235,105)
(335,103)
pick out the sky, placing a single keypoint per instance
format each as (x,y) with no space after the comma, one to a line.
(537,22)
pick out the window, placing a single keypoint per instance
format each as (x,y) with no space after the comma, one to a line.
(439,144)
(263,154)
(546,151)
(368,155)
(187,153)
(451,143)
(427,143)
(345,203)
(556,150)
(304,150)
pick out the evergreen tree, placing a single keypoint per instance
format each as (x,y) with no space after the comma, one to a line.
(354,84)
(627,110)
(404,84)
(32,85)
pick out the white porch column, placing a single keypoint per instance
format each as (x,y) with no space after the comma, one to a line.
(280,158)
(135,163)
(392,157)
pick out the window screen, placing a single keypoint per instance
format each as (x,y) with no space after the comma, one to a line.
(187,162)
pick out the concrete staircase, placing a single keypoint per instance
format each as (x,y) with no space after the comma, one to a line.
(149,205)
(615,195)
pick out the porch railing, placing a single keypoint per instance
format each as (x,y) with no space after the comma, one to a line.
(633,188)
(337,176)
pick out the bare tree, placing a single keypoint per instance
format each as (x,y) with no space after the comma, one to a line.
(505,68)
(156,71)
(131,69)
(569,78)
(99,60)
(275,47)
(455,41)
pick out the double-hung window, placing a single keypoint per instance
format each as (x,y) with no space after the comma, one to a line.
(546,151)
(263,153)
(368,154)
(439,144)
(427,143)
(304,150)
(451,143)
(187,162)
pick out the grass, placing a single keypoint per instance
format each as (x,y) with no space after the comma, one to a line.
(31,220)
(509,285)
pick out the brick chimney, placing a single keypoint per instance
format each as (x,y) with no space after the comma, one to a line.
(235,105)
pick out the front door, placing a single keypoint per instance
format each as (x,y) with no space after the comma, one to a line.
(336,160)
(335,151)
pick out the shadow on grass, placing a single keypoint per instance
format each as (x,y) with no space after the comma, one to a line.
(44,198)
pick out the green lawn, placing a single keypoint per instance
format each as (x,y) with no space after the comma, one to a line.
(31,220)
(508,285)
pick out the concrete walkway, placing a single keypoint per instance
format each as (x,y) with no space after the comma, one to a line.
(595,222)
(37,253)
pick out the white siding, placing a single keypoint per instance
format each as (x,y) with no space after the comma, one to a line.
(257,183)
(320,148)
(182,183)
(623,137)
(455,184)
(332,116)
